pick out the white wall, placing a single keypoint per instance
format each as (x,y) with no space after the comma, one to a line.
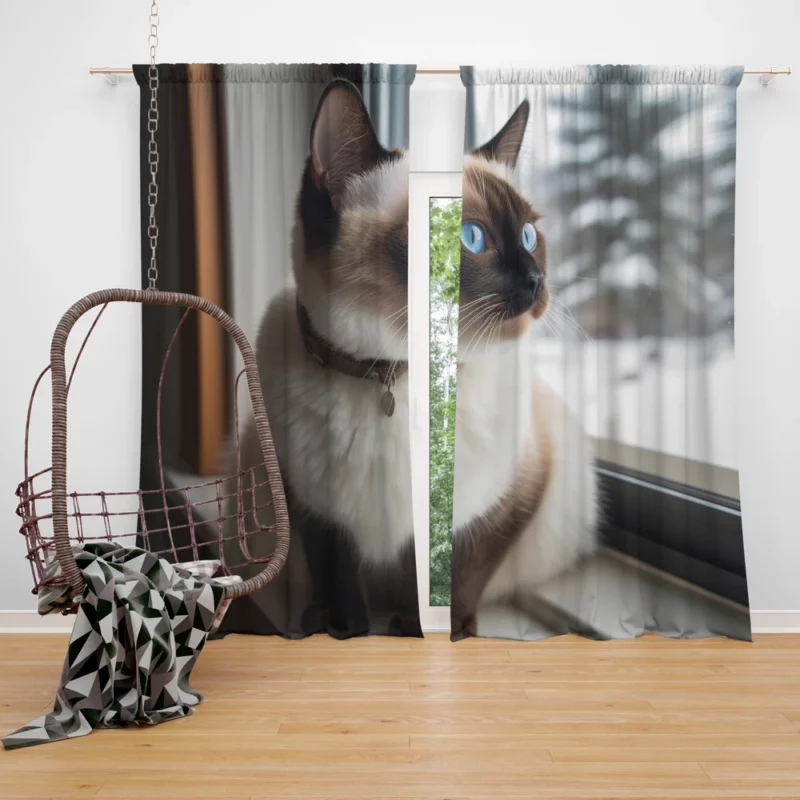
(69,213)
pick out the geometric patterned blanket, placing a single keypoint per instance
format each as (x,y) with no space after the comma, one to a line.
(137,635)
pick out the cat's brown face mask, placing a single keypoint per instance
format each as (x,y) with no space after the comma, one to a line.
(503,253)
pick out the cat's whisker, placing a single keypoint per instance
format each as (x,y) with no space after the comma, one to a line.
(555,319)
(571,280)
(499,327)
(341,284)
(464,306)
(486,335)
(397,313)
(465,312)
(326,303)
(397,360)
(478,327)
(564,315)
(474,313)
(561,303)
(495,331)
(342,267)
(385,348)
(551,327)
(402,325)
(487,321)
(466,322)
(358,297)
(564,325)
(475,339)
(336,294)
(475,316)
(496,319)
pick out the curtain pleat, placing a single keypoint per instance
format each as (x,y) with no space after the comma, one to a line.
(176,259)
(212,389)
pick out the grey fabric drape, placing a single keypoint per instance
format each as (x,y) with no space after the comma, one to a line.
(384,87)
(632,169)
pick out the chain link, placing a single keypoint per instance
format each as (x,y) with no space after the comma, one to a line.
(152,146)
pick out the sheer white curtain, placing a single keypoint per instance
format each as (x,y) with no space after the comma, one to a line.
(632,169)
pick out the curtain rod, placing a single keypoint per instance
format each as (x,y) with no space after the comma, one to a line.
(766,73)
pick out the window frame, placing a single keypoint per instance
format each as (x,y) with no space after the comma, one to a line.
(422,187)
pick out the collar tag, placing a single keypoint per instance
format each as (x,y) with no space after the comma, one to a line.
(387,402)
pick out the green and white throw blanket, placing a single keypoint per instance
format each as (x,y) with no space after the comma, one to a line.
(137,635)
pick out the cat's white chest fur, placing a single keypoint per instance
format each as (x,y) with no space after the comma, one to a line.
(498,422)
(493,427)
(340,454)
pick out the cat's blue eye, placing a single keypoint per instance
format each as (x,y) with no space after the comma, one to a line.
(473,237)
(529,236)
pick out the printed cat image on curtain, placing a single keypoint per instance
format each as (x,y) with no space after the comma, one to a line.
(596,486)
(283,198)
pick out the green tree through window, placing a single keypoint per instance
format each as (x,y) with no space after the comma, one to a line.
(445,238)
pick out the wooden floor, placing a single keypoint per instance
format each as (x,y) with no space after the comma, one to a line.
(398,718)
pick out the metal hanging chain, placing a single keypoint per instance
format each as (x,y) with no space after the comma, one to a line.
(152,146)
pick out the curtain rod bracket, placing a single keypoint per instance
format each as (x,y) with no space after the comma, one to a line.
(111,74)
(766,78)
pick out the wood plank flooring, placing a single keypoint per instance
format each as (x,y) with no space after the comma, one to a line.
(399,718)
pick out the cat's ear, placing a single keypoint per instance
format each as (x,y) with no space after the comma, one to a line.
(506,144)
(343,141)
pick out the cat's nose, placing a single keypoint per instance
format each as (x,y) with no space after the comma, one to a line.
(535,284)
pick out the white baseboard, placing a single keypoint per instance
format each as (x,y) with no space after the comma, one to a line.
(31,622)
(775,621)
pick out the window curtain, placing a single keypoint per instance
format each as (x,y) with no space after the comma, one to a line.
(596,485)
(283,198)
(582,343)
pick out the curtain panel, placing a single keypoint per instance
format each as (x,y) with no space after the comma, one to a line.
(596,485)
(283,198)
(583,460)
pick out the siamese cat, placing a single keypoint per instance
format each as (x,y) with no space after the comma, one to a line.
(525,496)
(332,356)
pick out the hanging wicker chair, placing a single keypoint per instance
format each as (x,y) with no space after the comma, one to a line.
(240,519)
